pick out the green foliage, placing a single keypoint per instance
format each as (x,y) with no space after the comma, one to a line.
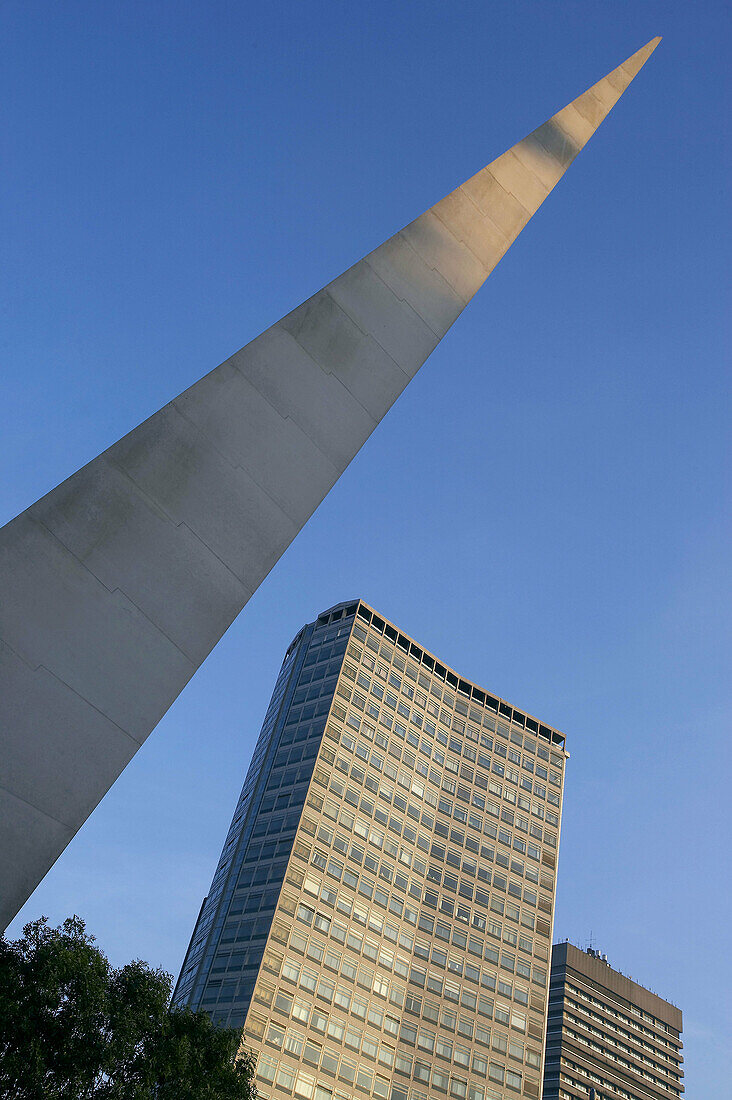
(74,1028)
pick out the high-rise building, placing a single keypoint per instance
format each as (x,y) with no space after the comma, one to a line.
(380,919)
(608,1036)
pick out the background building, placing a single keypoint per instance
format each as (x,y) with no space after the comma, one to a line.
(380,919)
(608,1036)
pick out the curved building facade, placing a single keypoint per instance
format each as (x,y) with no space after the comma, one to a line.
(380,919)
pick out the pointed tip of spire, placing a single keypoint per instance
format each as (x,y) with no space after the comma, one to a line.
(637,60)
(650,46)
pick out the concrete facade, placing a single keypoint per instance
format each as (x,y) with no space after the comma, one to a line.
(608,1037)
(119,582)
(380,919)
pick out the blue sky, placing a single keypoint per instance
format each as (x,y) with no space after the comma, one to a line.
(544,506)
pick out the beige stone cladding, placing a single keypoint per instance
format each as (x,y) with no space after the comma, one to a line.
(408,955)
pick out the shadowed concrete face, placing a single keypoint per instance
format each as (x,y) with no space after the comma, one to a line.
(118,583)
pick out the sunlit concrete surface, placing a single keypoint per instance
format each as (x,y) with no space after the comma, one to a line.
(119,582)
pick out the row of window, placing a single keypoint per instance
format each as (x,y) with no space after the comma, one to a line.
(361,1042)
(297,971)
(428,896)
(293,754)
(612,1086)
(433,981)
(436,876)
(418,842)
(304,1084)
(424,764)
(445,773)
(387,988)
(352,767)
(438,929)
(424,670)
(316,887)
(459,814)
(608,1053)
(407,703)
(404,967)
(356,720)
(624,1017)
(455,833)
(226,877)
(467,863)
(334,1063)
(486,923)
(480,709)
(658,1055)
(348,1033)
(376,1015)
(225,871)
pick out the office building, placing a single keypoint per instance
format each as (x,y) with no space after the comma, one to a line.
(120,581)
(380,919)
(608,1037)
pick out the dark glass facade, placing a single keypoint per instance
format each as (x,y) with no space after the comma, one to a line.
(225,952)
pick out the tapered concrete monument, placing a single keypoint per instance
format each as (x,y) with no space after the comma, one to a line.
(118,583)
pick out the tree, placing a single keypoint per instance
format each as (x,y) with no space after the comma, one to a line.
(74,1028)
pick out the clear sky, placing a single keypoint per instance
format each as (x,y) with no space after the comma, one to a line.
(544,506)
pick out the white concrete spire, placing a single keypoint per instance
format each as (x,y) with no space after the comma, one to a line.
(116,585)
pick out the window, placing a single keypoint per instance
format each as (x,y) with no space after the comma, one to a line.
(294,1043)
(421,1070)
(408,1033)
(329,1061)
(426,1040)
(443,1048)
(480,1064)
(291,970)
(305,1085)
(266,1067)
(285,1077)
(275,1035)
(440,1079)
(312,1052)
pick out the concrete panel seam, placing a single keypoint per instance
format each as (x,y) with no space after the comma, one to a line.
(404,242)
(459,244)
(284,418)
(485,215)
(111,591)
(37,809)
(240,466)
(316,364)
(82,565)
(361,329)
(154,625)
(516,150)
(405,302)
(467,243)
(49,672)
